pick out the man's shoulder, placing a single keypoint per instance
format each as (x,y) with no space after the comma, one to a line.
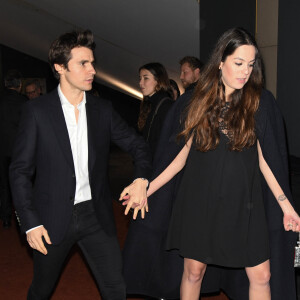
(98,102)
(12,96)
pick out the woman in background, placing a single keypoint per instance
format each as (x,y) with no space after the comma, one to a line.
(156,89)
(175,89)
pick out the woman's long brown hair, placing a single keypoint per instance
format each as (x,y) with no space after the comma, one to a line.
(204,111)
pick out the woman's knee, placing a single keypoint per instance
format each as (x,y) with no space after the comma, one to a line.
(194,270)
(263,277)
(260,276)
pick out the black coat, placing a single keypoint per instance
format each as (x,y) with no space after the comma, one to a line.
(43,149)
(150,270)
(11,103)
(160,105)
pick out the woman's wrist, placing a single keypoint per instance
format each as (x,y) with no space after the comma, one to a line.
(285,204)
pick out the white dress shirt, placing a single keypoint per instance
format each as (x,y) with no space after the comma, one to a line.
(79,145)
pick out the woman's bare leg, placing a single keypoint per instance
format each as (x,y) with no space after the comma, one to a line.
(259,278)
(191,279)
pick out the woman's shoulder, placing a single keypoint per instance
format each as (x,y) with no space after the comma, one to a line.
(164,101)
(266,99)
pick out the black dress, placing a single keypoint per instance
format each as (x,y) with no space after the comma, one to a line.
(218,216)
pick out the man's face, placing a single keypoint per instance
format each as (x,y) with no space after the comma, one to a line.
(188,75)
(32,91)
(79,75)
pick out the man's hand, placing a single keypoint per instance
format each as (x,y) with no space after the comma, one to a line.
(34,238)
(137,194)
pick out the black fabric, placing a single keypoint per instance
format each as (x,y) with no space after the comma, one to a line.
(11,103)
(148,268)
(191,87)
(159,272)
(295,180)
(43,149)
(102,253)
(152,129)
(5,193)
(218,217)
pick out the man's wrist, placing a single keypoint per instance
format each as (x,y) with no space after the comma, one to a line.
(145,179)
(33,228)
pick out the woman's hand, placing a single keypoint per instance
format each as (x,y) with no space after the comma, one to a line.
(291,221)
(135,196)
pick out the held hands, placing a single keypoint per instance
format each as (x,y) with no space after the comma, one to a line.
(135,196)
(34,238)
(291,221)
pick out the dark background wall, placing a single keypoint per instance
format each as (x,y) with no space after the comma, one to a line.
(216,16)
(30,67)
(288,67)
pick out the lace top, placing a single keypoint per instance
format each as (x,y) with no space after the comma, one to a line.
(222,124)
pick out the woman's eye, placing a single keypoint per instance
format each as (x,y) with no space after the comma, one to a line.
(238,64)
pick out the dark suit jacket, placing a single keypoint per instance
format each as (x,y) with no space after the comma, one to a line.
(42,150)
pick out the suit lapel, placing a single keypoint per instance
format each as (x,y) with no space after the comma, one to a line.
(60,128)
(92,117)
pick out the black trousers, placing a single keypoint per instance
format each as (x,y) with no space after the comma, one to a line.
(101,251)
(5,194)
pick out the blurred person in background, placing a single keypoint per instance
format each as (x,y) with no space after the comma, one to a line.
(175,89)
(33,89)
(11,102)
(155,87)
(190,71)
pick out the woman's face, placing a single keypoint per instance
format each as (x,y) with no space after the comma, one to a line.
(237,68)
(147,83)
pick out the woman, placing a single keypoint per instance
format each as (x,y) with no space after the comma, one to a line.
(156,89)
(175,89)
(219,215)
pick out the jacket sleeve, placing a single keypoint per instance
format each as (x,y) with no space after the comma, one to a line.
(22,170)
(128,140)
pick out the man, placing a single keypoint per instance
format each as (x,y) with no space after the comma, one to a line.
(62,147)
(11,102)
(190,71)
(33,89)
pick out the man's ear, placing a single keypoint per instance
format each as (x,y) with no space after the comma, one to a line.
(197,73)
(59,68)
